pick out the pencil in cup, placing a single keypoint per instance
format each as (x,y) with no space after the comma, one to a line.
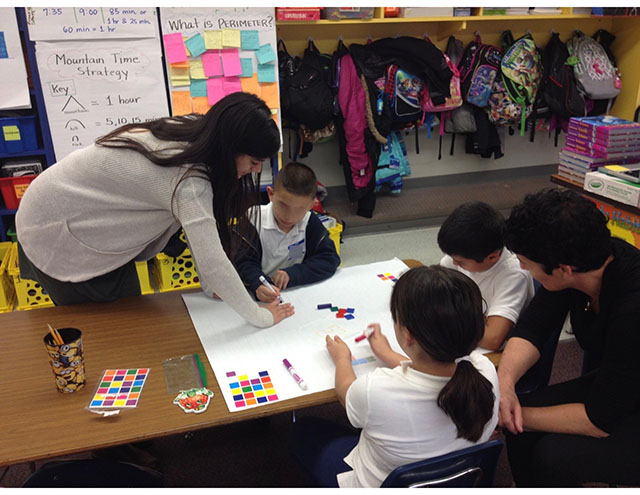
(66,359)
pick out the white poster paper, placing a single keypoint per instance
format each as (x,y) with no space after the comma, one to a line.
(92,87)
(78,23)
(234,346)
(13,73)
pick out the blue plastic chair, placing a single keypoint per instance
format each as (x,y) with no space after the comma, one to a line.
(93,473)
(471,467)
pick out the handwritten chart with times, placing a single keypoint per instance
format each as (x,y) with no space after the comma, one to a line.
(100,68)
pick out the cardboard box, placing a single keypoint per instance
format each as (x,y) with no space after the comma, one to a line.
(337,13)
(611,187)
(297,13)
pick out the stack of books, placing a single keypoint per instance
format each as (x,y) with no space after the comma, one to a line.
(596,141)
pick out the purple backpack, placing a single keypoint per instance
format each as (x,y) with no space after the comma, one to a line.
(478,67)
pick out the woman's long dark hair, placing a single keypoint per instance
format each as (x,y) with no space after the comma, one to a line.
(442,309)
(238,124)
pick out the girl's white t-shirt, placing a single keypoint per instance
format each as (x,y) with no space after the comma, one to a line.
(401,422)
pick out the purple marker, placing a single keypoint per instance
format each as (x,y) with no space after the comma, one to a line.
(301,383)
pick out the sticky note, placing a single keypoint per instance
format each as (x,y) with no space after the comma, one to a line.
(11,133)
(181,102)
(198,87)
(196,70)
(195,44)
(251,85)
(211,63)
(231,62)
(247,67)
(265,54)
(232,85)
(213,40)
(181,65)
(249,40)
(200,104)
(179,76)
(267,73)
(231,37)
(174,48)
(186,48)
(215,89)
(270,94)
(617,168)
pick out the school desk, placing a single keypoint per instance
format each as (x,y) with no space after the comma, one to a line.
(38,422)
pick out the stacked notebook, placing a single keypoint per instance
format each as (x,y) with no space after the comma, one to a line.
(596,141)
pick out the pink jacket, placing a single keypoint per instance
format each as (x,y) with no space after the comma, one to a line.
(352,100)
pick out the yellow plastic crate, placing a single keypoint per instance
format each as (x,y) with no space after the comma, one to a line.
(30,293)
(175,273)
(7,290)
(143,277)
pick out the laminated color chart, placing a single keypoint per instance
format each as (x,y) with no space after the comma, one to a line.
(212,52)
(120,388)
(233,345)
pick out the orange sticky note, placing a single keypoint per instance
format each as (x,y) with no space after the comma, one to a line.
(269,93)
(201,104)
(251,85)
(181,65)
(181,102)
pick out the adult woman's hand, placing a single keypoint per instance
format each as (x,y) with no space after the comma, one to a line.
(280,311)
(510,410)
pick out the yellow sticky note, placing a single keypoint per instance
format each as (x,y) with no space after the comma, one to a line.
(213,40)
(616,168)
(270,95)
(200,104)
(181,101)
(11,133)
(179,76)
(231,37)
(251,85)
(196,70)
(186,48)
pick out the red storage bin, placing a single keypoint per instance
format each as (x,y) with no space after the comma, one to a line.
(13,189)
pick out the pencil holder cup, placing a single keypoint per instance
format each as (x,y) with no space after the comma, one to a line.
(66,360)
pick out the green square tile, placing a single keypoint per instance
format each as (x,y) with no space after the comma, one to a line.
(246,389)
(105,384)
(334,308)
(131,372)
(136,389)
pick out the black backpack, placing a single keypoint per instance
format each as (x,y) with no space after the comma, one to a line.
(559,86)
(307,97)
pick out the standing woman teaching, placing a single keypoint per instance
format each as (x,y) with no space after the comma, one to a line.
(85,221)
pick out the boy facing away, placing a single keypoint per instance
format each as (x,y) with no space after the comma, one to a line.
(289,246)
(472,238)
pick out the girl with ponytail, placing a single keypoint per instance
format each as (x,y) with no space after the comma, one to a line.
(441,397)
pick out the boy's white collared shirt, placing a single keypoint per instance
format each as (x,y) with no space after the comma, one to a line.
(279,249)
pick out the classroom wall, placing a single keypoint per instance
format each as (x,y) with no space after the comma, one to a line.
(519,152)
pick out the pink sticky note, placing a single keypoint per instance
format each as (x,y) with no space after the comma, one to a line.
(232,85)
(174,48)
(231,62)
(211,63)
(215,89)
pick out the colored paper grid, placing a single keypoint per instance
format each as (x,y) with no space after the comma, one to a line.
(120,388)
(252,391)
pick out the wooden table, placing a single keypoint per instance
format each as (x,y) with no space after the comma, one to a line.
(37,421)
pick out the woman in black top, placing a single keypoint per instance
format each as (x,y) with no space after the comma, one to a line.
(587,429)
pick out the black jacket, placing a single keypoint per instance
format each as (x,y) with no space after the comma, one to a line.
(320,261)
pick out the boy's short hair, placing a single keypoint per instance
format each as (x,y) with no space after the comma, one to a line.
(559,226)
(298,179)
(474,230)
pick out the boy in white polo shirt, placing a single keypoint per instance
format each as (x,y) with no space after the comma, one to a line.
(289,246)
(472,238)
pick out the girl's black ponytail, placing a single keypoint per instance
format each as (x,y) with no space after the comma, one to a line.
(468,400)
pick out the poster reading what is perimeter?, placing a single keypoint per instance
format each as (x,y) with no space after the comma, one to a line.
(212,52)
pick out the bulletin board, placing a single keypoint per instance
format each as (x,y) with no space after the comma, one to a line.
(212,52)
(100,68)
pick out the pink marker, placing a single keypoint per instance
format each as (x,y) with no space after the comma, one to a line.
(365,335)
(301,383)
